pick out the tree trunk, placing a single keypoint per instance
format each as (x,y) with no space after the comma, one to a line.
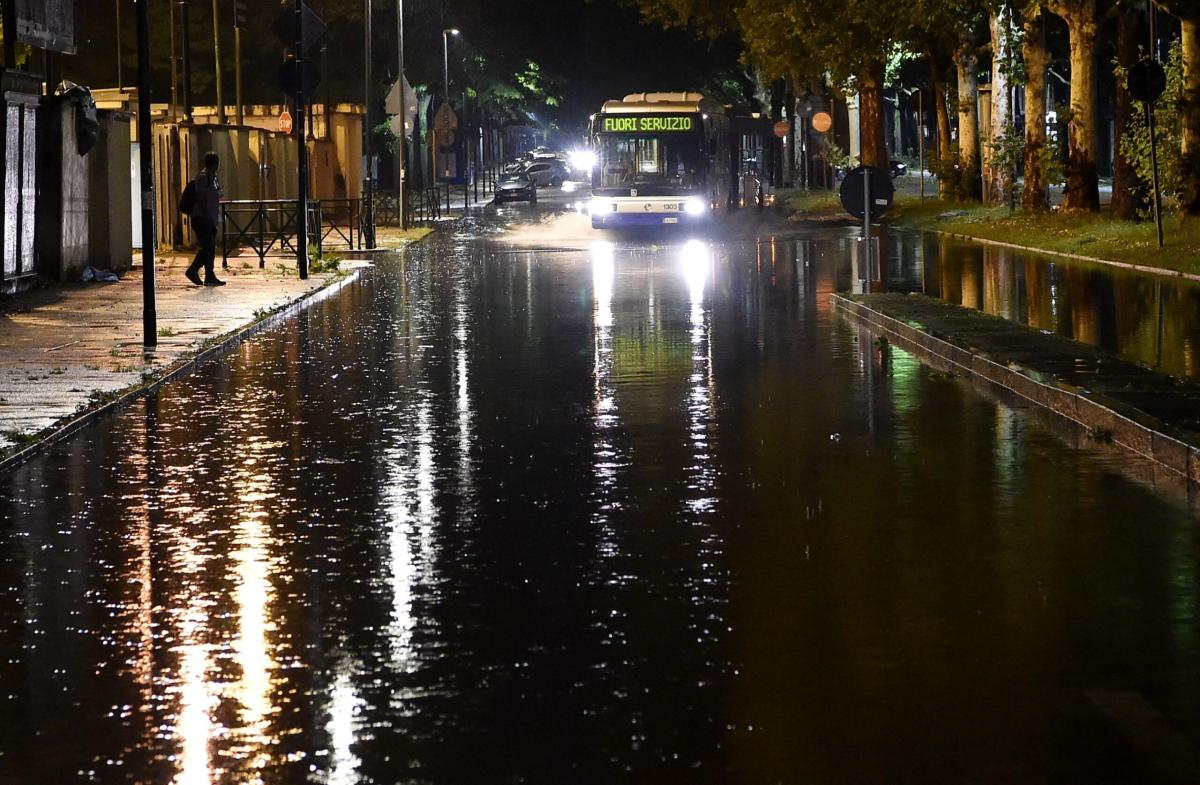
(870,116)
(1083,184)
(997,176)
(965,61)
(1037,60)
(1189,198)
(1125,179)
(945,188)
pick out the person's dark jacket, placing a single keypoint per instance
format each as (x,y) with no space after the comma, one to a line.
(208,198)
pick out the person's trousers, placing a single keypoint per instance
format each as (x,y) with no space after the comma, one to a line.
(206,257)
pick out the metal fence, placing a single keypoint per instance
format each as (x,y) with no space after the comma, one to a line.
(268,226)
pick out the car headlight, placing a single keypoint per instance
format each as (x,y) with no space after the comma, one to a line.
(695,207)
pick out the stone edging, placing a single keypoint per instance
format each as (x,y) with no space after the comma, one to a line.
(1163,450)
(75,422)
(1140,268)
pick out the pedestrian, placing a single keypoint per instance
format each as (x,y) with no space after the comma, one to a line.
(205,215)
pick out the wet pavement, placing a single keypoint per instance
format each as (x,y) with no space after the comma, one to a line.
(644,511)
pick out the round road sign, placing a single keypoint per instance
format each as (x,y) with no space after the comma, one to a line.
(1147,81)
(822,122)
(853,192)
(783,128)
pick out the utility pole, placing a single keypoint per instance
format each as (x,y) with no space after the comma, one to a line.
(239,20)
(301,149)
(368,213)
(217,63)
(146,159)
(187,60)
(402,195)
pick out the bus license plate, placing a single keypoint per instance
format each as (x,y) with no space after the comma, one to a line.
(670,220)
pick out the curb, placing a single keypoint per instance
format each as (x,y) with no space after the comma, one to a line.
(1178,457)
(75,422)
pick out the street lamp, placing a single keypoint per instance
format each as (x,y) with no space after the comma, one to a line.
(446,59)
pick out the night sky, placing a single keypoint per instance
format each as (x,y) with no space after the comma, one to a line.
(591,49)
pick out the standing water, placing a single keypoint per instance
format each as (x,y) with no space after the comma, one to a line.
(628,513)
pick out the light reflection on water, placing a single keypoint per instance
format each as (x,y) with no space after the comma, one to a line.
(502,517)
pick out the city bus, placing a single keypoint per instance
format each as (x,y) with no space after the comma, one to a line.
(661,159)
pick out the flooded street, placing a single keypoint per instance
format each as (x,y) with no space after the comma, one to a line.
(639,511)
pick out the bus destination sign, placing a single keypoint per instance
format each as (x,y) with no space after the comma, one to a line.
(648,124)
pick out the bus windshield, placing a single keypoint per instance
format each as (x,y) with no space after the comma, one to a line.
(676,161)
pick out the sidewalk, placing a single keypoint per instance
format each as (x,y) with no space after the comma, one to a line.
(71,346)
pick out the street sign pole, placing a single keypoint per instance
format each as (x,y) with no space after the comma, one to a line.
(402,196)
(301,149)
(146,160)
(867,221)
(368,213)
(921,138)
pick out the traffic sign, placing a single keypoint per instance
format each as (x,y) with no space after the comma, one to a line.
(1147,81)
(822,122)
(853,192)
(285,28)
(783,128)
(285,122)
(392,106)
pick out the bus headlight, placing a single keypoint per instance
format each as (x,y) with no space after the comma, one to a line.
(601,204)
(695,206)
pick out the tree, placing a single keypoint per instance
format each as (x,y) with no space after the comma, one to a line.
(998,171)
(1125,178)
(966,63)
(1083,183)
(1188,12)
(1037,60)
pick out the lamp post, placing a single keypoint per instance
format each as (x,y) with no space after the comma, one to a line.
(446,60)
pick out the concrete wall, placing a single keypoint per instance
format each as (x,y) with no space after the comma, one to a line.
(110,225)
(62,215)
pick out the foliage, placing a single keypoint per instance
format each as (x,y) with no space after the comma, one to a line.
(959,180)
(833,155)
(1135,144)
(1006,152)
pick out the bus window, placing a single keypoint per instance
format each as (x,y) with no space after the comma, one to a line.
(649,160)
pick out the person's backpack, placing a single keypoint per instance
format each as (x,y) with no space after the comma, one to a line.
(187,200)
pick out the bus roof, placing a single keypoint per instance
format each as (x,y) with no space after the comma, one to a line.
(665,103)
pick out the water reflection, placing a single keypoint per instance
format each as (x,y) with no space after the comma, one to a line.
(1148,319)
(456,525)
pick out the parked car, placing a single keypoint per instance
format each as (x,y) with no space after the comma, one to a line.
(516,187)
(547,172)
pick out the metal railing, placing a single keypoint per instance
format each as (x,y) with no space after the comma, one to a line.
(267,226)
